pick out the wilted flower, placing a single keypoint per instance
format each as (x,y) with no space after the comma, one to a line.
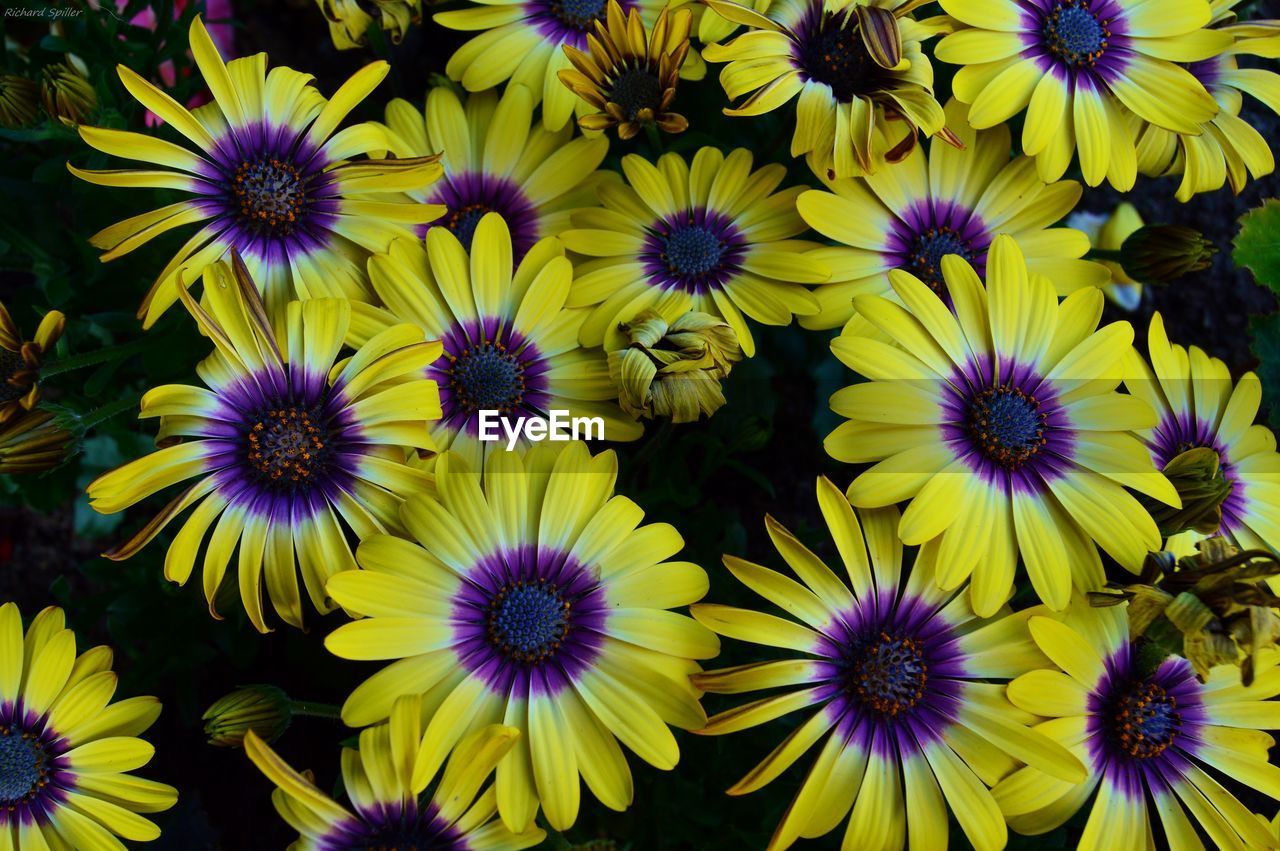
(349,19)
(33,443)
(1162,253)
(20,361)
(19,101)
(1197,475)
(264,709)
(629,76)
(67,95)
(672,366)
(1214,607)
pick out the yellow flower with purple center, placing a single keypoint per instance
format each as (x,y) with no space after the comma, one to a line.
(291,451)
(388,787)
(1198,406)
(950,201)
(1147,731)
(498,159)
(713,236)
(532,598)
(897,672)
(65,748)
(1229,149)
(272,180)
(1000,423)
(523,41)
(20,361)
(865,85)
(510,349)
(1087,72)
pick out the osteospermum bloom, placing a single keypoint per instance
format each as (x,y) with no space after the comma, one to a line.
(20,361)
(631,75)
(497,159)
(1001,425)
(1199,407)
(1229,149)
(951,201)
(895,671)
(66,748)
(33,443)
(272,180)
(1108,231)
(1088,72)
(715,236)
(385,781)
(865,86)
(1147,733)
(509,344)
(532,598)
(288,451)
(523,40)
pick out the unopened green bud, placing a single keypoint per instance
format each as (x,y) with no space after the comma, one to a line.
(67,95)
(19,101)
(1197,476)
(1162,253)
(264,709)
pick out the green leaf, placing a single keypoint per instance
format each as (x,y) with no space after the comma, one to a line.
(1257,245)
(1265,331)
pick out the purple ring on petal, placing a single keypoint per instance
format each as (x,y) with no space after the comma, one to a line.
(1143,729)
(1082,40)
(391,824)
(471,194)
(34,770)
(1012,432)
(893,670)
(269,192)
(528,621)
(488,365)
(568,21)
(928,230)
(696,251)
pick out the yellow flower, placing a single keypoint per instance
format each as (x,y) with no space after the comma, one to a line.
(865,86)
(32,443)
(630,76)
(1108,232)
(349,21)
(67,95)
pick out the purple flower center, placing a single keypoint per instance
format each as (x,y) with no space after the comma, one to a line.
(393,828)
(486,376)
(528,620)
(636,90)
(1074,34)
(11,363)
(693,251)
(463,222)
(1006,425)
(288,446)
(927,250)
(469,195)
(831,51)
(24,767)
(577,14)
(1144,719)
(888,673)
(271,195)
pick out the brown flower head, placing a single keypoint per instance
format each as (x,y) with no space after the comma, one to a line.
(20,361)
(67,95)
(628,75)
(19,101)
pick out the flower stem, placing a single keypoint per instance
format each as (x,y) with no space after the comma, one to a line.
(103,355)
(655,139)
(100,415)
(1112,254)
(310,709)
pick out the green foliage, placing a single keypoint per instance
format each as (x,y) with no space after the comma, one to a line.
(1257,245)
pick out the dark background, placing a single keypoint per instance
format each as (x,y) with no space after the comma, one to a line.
(714,481)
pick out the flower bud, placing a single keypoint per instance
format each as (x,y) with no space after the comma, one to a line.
(67,96)
(19,101)
(672,369)
(1163,253)
(33,442)
(349,20)
(263,709)
(1197,476)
